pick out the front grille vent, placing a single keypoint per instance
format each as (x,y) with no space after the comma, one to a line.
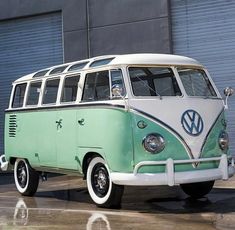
(12,125)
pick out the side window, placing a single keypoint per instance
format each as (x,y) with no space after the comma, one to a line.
(118,88)
(19,95)
(97,86)
(34,92)
(70,88)
(50,91)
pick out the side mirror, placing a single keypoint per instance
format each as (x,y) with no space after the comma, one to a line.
(117,91)
(228,91)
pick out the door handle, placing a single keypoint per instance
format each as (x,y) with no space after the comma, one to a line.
(81,121)
(59,123)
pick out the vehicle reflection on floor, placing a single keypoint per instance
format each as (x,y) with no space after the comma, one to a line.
(97,220)
(21,213)
(64,203)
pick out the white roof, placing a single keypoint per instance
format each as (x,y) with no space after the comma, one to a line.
(127,59)
(154,59)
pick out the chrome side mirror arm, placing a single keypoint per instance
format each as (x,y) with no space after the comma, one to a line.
(117,92)
(228,91)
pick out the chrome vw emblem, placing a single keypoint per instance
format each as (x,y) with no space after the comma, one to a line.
(192,122)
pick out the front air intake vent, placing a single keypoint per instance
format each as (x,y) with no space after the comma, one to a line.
(12,125)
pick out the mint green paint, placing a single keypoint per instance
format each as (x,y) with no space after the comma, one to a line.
(55,139)
(211,147)
(35,135)
(67,136)
(173,149)
(110,131)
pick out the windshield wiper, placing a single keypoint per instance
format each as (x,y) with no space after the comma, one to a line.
(150,88)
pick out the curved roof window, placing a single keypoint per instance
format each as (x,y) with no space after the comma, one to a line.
(77,66)
(101,62)
(41,73)
(58,69)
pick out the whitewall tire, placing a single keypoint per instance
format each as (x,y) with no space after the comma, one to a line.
(101,189)
(26,178)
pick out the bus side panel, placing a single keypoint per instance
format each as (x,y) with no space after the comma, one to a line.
(107,129)
(67,127)
(31,135)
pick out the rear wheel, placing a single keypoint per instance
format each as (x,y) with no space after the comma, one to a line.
(26,178)
(101,189)
(197,190)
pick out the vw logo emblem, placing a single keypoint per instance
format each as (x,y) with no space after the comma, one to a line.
(192,122)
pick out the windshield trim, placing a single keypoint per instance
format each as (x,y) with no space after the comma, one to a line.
(157,93)
(208,78)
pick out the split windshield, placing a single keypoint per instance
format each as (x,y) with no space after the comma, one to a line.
(161,81)
(153,81)
(196,83)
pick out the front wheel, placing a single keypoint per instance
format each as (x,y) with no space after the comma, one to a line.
(197,190)
(26,178)
(101,189)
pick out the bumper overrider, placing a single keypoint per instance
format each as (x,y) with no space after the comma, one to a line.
(170,177)
(3,163)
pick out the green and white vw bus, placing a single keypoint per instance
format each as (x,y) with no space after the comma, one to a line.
(139,119)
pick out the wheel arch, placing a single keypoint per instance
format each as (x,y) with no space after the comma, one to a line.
(87,159)
(12,160)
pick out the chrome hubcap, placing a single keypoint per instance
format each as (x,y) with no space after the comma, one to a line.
(100,180)
(22,174)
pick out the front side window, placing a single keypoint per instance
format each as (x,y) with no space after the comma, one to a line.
(34,92)
(19,95)
(196,83)
(117,84)
(50,92)
(97,86)
(70,88)
(153,81)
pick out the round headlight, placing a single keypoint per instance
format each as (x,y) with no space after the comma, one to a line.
(223,140)
(154,143)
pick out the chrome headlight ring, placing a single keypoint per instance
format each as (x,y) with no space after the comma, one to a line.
(153,143)
(223,140)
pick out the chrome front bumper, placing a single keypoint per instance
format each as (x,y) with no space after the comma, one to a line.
(170,177)
(3,163)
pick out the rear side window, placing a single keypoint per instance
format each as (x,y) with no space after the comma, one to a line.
(70,88)
(34,92)
(19,95)
(97,86)
(51,91)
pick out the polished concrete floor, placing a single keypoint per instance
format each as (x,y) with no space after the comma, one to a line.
(63,202)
